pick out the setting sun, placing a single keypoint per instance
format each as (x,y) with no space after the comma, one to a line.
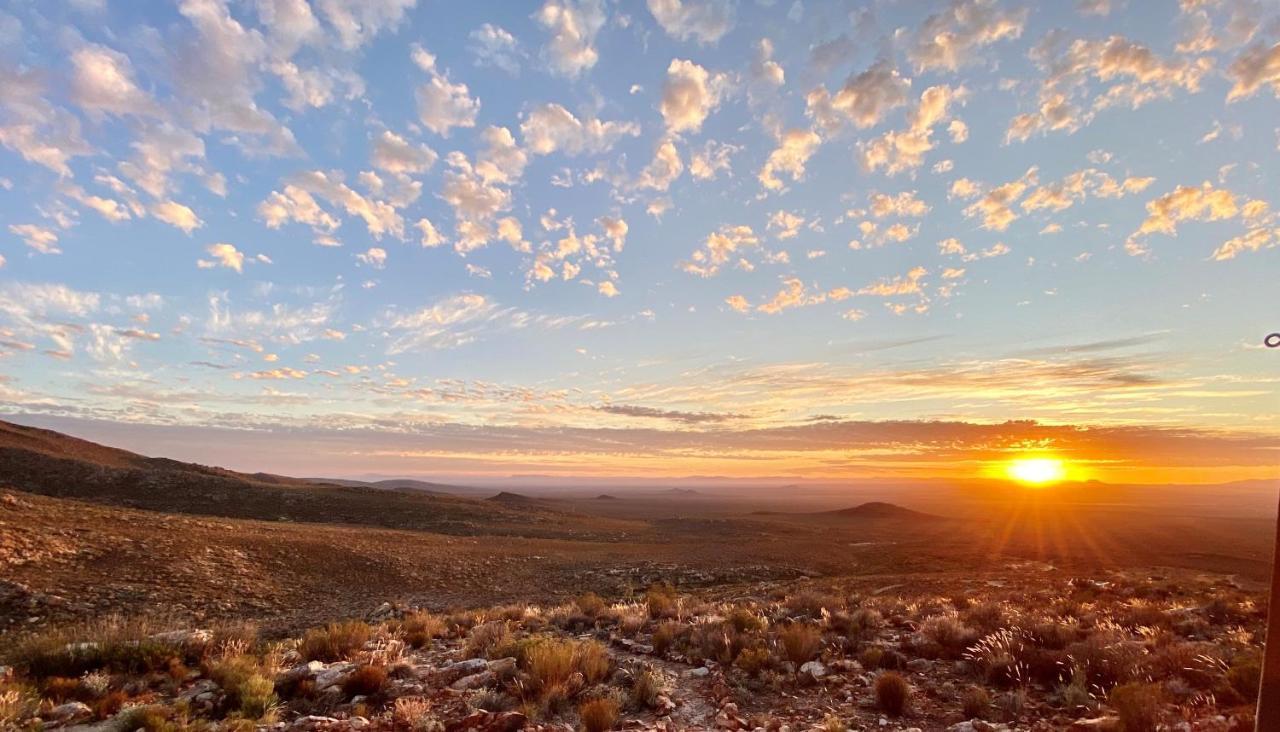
(1037,471)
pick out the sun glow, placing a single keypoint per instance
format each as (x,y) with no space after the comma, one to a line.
(1036,471)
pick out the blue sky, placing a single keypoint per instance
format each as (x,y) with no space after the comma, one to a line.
(663,238)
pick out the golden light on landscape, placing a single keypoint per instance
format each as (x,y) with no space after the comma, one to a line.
(1037,471)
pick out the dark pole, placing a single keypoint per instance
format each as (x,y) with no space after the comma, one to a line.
(1269,690)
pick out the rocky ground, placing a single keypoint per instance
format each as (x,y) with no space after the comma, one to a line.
(1033,651)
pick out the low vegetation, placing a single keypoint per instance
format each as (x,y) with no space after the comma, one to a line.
(1110,650)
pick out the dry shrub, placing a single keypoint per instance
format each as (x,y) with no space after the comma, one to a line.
(744,620)
(487,637)
(120,645)
(949,634)
(800,642)
(420,628)
(975,703)
(1108,660)
(646,685)
(413,713)
(590,604)
(335,641)
(249,689)
(550,662)
(663,601)
(754,660)
(365,681)
(109,704)
(17,702)
(860,624)
(1245,675)
(718,641)
(666,635)
(1138,706)
(598,715)
(812,603)
(987,617)
(892,693)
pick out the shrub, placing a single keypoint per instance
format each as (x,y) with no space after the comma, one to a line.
(108,704)
(1108,660)
(754,660)
(486,637)
(551,661)
(717,640)
(811,603)
(892,693)
(365,681)
(800,642)
(1245,674)
(871,657)
(256,697)
(1138,706)
(662,600)
(645,688)
(590,604)
(976,703)
(248,689)
(949,634)
(665,636)
(491,701)
(745,621)
(598,715)
(413,713)
(987,617)
(115,644)
(334,642)
(421,628)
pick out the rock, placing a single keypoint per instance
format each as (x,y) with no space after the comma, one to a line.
(198,690)
(474,681)
(1097,723)
(334,674)
(186,638)
(976,725)
(503,666)
(814,670)
(385,611)
(919,665)
(70,712)
(489,722)
(450,673)
(307,670)
(699,672)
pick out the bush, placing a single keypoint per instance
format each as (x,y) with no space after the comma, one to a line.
(421,628)
(800,642)
(120,645)
(598,715)
(949,634)
(665,636)
(590,604)
(811,603)
(550,662)
(662,601)
(645,688)
(365,681)
(334,642)
(248,689)
(976,703)
(1138,706)
(987,617)
(892,693)
(717,641)
(486,637)
(754,660)
(1245,675)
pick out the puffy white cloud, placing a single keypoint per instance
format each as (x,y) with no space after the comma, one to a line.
(394,154)
(794,149)
(314,87)
(995,208)
(475,202)
(296,204)
(495,46)
(766,72)
(1201,203)
(573,25)
(948,40)
(901,150)
(689,94)
(863,101)
(430,235)
(375,257)
(41,133)
(616,229)
(1257,67)
(39,238)
(714,157)
(102,82)
(663,170)
(380,217)
(902,204)
(442,104)
(176,215)
(551,127)
(607,288)
(225,255)
(357,21)
(290,25)
(720,246)
(908,284)
(501,160)
(785,224)
(160,150)
(704,20)
(1250,241)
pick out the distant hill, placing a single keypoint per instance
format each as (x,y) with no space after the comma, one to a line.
(881,510)
(407,484)
(606,497)
(514,499)
(54,464)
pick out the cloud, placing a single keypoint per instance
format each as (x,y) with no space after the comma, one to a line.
(713,158)
(430,235)
(948,40)
(298,203)
(102,82)
(476,202)
(1198,203)
(225,255)
(738,303)
(1251,241)
(792,295)
(785,224)
(573,25)
(689,94)
(551,127)
(863,101)
(176,215)
(1256,68)
(908,284)
(501,160)
(899,151)
(495,46)
(904,204)
(358,21)
(707,21)
(765,72)
(457,320)
(395,154)
(442,104)
(375,257)
(39,238)
(794,149)
(995,208)
(663,170)
(718,248)
(41,133)
(673,415)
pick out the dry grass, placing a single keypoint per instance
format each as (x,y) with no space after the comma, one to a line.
(550,662)
(663,601)
(645,688)
(598,715)
(800,642)
(892,693)
(365,681)
(335,641)
(420,628)
(976,703)
(1138,706)
(666,635)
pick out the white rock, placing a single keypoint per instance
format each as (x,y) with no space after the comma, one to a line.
(814,669)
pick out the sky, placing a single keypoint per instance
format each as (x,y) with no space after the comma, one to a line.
(794,239)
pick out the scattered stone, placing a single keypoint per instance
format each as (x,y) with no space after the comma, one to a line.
(814,670)
(70,713)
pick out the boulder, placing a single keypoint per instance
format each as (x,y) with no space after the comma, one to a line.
(489,722)
(474,681)
(813,670)
(70,713)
